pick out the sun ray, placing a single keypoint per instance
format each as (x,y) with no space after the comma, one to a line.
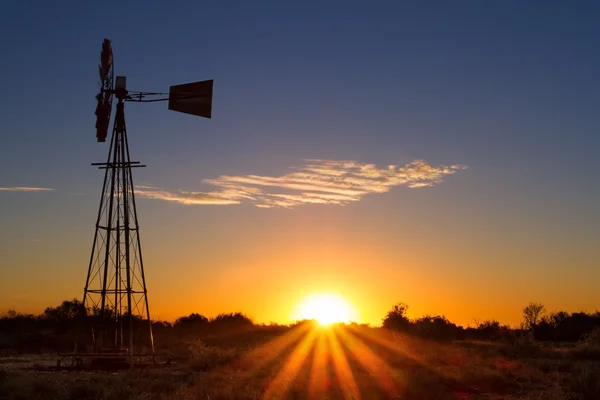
(282,382)
(385,376)
(342,368)
(398,345)
(264,354)
(319,378)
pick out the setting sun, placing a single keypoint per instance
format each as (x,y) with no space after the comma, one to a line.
(325,308)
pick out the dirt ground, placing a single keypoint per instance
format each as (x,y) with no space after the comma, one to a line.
(336,363)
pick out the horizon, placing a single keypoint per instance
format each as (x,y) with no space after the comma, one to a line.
(443,156)
(545,315)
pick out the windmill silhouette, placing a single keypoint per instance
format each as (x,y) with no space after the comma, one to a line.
(115,296)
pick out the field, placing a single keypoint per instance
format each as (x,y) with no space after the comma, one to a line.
(340,362)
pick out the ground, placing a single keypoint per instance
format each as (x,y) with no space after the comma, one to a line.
(307,362)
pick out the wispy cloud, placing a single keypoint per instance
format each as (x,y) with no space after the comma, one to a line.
(316,182)
(24,189)
(184,197)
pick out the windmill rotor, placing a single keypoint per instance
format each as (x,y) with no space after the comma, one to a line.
(105,96)
(189,98)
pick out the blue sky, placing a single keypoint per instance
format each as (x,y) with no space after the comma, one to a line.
(509,90)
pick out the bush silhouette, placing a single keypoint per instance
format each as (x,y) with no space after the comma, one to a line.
(558,326)
(192,320)
(56,328)
(436,327)
(396,318)
(231,320)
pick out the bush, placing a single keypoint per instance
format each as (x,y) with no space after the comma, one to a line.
(435,327)
(204,358)
(430,327)
(589,346)
(521,345)
(586,384)
(237,320)
(396,318)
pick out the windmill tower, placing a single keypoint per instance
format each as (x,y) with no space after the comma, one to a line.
(115,294)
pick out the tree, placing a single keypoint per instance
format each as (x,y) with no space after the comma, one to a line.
(532,314)
(67,311)
(396,318)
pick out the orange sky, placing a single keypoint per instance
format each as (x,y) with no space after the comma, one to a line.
(266,272)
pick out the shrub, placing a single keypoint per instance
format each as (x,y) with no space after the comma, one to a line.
(585,384)
(589,346)
(521,345)
(435,327)
(396,318)
(204,358)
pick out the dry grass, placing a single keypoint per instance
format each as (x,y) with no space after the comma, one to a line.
(342,363)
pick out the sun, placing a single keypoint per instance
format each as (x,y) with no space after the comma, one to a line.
(325,308)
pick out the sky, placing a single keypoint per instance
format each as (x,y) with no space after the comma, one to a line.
(440,154)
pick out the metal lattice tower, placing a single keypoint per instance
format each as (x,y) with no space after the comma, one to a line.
(115,297)
(116,286)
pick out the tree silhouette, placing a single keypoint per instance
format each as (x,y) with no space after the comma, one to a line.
(67,311)
(532,314)
(396,318)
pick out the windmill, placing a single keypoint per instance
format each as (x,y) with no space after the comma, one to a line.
(115,291)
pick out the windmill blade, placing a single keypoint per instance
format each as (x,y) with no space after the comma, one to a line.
(105,60)
(102,120)
(104,97)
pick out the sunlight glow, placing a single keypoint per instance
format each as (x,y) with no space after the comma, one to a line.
(325,308)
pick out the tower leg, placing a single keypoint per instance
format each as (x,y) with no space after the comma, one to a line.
(139,248)
(83,311)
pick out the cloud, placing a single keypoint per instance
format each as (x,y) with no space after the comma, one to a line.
(24,189)
(186,197)
(316,182)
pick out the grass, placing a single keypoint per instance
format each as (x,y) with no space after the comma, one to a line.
(338,363)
